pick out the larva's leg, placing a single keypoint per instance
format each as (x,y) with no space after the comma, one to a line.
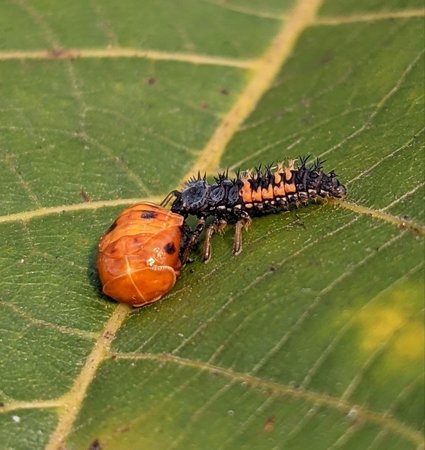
(192,240)
(215,227)
(241,224)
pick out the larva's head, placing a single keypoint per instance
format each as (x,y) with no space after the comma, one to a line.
(332,186)
(316,182)
(193,199)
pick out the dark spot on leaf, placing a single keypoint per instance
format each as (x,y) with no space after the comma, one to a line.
(150,81)
(325,59)
(1,404)
(204,105)
(108,335)
(95,445)
(170,248)
(148,215)
(84,195)
(58,53)
(224,91)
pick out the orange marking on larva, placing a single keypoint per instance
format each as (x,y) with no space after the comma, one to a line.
(267,193)
(246,191)
(290,188)
(279,191)
(256,195)
(288,170)
(278,174)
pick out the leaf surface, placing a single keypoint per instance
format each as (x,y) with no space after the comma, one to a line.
(313,336)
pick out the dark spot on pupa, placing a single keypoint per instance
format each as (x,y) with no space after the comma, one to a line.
(148,215)
(170,248)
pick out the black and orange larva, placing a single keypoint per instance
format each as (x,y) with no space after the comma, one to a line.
(251,193)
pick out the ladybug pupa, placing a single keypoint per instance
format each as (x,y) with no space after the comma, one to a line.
(139,255)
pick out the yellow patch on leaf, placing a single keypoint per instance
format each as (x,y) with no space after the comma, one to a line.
(392,320)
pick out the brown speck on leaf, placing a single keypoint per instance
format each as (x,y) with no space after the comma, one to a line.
(95,445)
(1,404)
(354,416)
(108,335)
(150,81)
(224,91)
(85,196)
(124,429)
(204,105)
(325,58)
(269,425)
(59,53)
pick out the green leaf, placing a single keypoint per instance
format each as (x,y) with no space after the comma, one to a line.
(312,338)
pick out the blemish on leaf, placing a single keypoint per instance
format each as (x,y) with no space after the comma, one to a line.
(108,336)
(392,321)
(269,425)
(59,53)
(84,195)
(95,445)
(150,81)
(325,59)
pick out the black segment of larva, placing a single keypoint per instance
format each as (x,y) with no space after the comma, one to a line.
(148,215)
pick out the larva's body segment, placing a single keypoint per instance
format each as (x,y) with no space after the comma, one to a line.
(251,194)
